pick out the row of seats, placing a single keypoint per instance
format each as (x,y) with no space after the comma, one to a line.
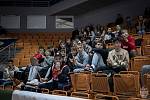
(126,84)
(28,43)
(89,85)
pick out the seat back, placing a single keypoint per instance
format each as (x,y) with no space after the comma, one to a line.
(80,95)
(125,84)
(137,78)
(59,92)
(81,81)
(105,97)
(99,83)
(146,50)
(138,62)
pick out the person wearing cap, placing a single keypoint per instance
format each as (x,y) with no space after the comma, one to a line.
(118,58)
(57,76)
(128,43)
(81,59)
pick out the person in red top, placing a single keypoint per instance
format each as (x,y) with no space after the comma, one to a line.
(128,43)
(39,54)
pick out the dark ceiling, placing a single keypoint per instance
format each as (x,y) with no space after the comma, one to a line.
(28,3)
(85,7)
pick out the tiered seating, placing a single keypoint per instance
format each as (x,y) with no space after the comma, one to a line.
(29,43)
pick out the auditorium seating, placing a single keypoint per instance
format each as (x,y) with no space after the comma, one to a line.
(138,61)
(105,97)
(81,95)
(81,81)
(125,85)
(99,83)
(59,92)
(28,43)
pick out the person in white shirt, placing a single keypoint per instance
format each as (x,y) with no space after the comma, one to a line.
(118,58)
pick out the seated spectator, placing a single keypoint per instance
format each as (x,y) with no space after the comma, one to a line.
(140,25)
(68,46)
(91,32)
(97,39)
(33,73)
(39,54)
(71,58)
(97,60)
(81,60)
(129,23)
(87,48)
(128,43)
(75,34)
(47,60)
(108,38)
(118,31)
(8,74)
(51,50)
(10,69)
(118,58)
(46,63)
(57,76)
(119,20)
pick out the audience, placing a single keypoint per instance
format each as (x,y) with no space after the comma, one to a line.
(87,50)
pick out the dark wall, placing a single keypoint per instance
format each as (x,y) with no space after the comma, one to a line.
(108,13)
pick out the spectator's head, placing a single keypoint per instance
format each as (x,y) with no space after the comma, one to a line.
(63,52)
(47,53)
(118,28)
(68,41)
(82,29)
(62,44)
(34,61)
(117,44)
(99,45)
(58,60)
(109,30)
(49,47)
(97,39)
(41,50)
(10,63)
(74,51)
(140,18)
(124,33)
(74,43)
(80,48)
